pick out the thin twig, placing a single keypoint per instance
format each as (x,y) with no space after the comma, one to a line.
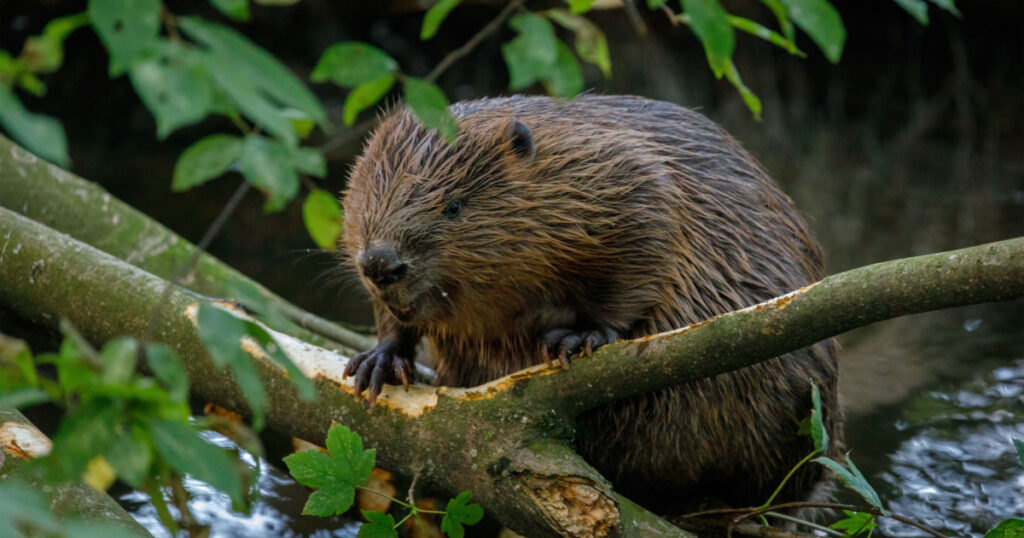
(412,489)
(465,49)
(357,132)
(751,511)
(746,529)
(804,522)
(208,237)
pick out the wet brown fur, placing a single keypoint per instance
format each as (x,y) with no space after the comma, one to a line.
(634,214)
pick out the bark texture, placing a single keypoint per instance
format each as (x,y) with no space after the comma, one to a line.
(65,202)
(509,440)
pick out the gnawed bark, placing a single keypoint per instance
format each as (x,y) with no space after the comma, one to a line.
(508,440)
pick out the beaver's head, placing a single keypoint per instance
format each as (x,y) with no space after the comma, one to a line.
(441,231)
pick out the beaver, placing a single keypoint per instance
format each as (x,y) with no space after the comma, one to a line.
(551,227)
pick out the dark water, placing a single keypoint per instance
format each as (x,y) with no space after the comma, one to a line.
(942,454)
(276,514)
(932,404)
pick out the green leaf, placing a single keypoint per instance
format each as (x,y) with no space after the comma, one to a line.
(591,43)
(565,78)
(853,480)
(366,95)
(130,455)
(187,453)
(1019,445)
(917,8)
(205,160)
(1008,528)
(310,468)
(274,351)
(580,6)
(435,16)
(31,84)
(119,360)
(856,523)
(755,29)
(821,21)
(430,105)
(309,161)
(949,6)
(378,525)
(533,53)
(221,334)
(655,4)
(169,369)
(751,100)
(336,474)
(23,506)
(23,397)
(268,166)
(782,15)
(127,28)
(353,63)
(818,432)
(249,99)
(85,433)
(73,373)
(45,53)
(459,513)
(236,9)
(261,68)
(322,216)
(301,123)
(174,86)
(711,24)
(352,464)
(39,133)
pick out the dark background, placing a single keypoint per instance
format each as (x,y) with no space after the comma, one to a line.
(914,143)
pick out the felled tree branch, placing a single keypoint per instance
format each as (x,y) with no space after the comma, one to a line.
(65,202)
(454,439)
(507,440)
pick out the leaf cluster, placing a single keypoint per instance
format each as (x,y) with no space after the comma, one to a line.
(345,467)
(120,424)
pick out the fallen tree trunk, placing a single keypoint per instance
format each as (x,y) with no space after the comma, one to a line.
(512,443)
(65,202)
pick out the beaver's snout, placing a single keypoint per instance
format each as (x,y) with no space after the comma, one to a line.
(382,265)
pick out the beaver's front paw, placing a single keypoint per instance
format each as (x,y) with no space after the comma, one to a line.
(566,342)
(373,368)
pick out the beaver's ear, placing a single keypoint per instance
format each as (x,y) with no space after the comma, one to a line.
(521,139)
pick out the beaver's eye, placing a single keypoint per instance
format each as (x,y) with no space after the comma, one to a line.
(453,209)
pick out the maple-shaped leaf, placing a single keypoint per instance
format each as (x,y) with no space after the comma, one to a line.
(378,525)
(459,513)
(334,475)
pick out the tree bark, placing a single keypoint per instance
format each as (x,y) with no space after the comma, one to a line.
(65,202)
(507,440)
(451,438)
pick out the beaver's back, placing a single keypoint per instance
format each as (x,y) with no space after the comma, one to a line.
(724,237)
(619,213)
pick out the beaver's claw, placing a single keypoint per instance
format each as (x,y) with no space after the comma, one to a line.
(564,343)
(377,366)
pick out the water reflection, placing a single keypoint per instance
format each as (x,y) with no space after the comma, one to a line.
(277,513)
(956,468)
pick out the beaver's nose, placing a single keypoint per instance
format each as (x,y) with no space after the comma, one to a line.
(381,264)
